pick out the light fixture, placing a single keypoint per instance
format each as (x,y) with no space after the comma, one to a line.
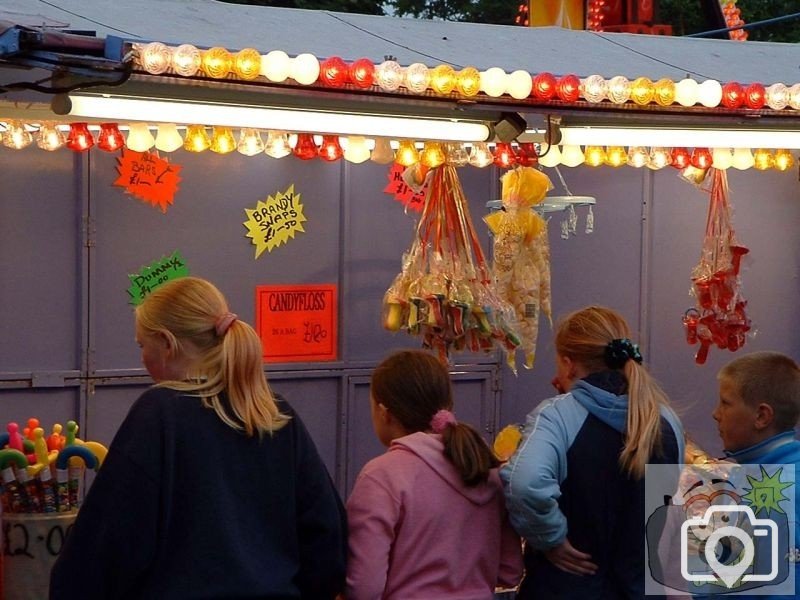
(127,108)
(673,137)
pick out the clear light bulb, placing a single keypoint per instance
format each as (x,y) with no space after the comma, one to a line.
(168,139)
(305,69)
(277,144)
(155,57)
(276,66)
(186,60)
(250,142)
(494,82)
(139,137)
(520,84)
(721,158)
(382,153)
(356,150)
(16,136)
(550,156)
(572,155)
(480,156)
(742,159)
(50,137)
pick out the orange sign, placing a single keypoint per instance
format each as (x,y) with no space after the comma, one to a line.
(148,177)
(402,192)
(297,323)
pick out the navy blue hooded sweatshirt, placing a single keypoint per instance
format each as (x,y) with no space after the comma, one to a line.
(565,481)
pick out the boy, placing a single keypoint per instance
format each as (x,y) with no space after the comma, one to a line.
(758,409)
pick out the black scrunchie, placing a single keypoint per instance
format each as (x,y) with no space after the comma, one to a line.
(620,351)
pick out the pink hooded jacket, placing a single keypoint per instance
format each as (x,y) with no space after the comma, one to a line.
(416,532)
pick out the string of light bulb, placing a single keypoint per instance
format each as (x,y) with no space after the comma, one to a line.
(169,137)
(276,66)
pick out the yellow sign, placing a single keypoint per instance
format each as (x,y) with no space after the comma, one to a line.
(275,220)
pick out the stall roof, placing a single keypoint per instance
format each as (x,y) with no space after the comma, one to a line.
(209,23)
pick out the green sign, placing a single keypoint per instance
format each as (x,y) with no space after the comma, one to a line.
(156,274)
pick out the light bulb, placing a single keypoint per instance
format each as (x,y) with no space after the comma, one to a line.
(619,90)
(544,86)
(480,156)
(361,73)
(550,156)
(330,149)
(432,154)
(333,72)
(664,92)
(305,69)
(526,155)
(457,154)
(197,139)
(794,96)
(468,81)
(276,66)
(416,78)
(186,60)
(50,137)
(763,159)
(250,142)
(222,140)
(595,156)
(217,62)
(494,82)
(504,155)
(642,91)
(568,88)
(777,96)
(755,96)
(721,158)
(616,156)
(659,158)
(520,84)
(701,158)
(572,155)
(389,76)
(443,79)
(742,159)
(110,138)
(637,156)
(681,158)
(687,92)
(305,148)
(382,153)
(594,88)
(139,137)
(16,136)
(732,95)
(356,150)
(168,139)
(247,64)
(277,144)
(406,154)
(783,160)
(709,93)
(155,57)
(80,138)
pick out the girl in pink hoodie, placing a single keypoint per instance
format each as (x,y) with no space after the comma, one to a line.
(427,518)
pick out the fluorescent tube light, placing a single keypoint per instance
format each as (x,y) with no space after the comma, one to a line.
(116,108)
(691,138)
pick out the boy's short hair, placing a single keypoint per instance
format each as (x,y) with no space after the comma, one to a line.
(769,377)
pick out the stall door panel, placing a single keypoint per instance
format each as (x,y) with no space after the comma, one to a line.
(318,402)
(205,224)
(40,241)
(473,400)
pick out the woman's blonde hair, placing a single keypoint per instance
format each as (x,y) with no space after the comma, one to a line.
(187,311)
(584,337)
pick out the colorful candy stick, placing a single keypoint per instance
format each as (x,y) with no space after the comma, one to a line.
(62,490)
(49,504)
(14,440)
(74,472)
(13,492)
(99,451)
(33,423)
(72,431)
(55,441)
(31,491)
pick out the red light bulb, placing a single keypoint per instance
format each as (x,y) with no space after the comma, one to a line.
(680,158)
(732,95)
(330,149)
(305,148)
(110,138)
(504,156)
(362,73)
(544,86)
(333,72)
(701,158)
(526,155)
(569,88)
(755,96)
(80,138)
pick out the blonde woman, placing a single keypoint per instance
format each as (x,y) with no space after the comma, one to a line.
(212,486)
(575,487)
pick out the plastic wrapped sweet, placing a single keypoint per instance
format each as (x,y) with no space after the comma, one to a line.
(718,317)
(522,255)
(445,292)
